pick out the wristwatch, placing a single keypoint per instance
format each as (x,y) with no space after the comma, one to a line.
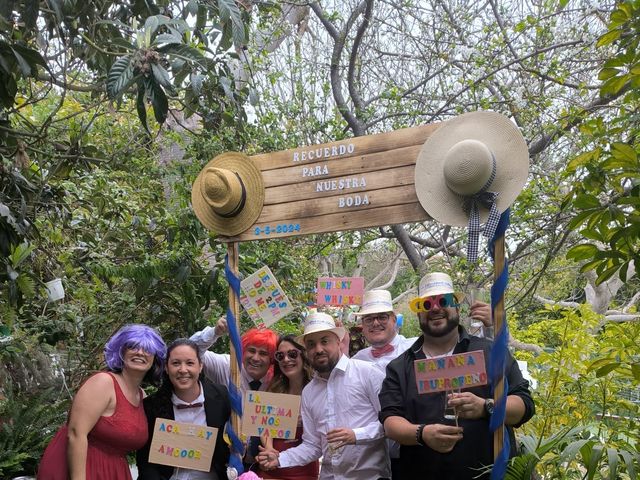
(419,435)
(488,406)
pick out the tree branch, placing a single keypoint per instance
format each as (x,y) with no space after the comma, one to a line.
(396,266)
(538,145)
(96,87)
(405,242)
(353,56)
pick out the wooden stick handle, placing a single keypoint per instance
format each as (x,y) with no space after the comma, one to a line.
(498,319)
(234,306)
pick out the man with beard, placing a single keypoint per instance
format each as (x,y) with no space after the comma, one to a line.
(379,329)
(339,408)
(429,447)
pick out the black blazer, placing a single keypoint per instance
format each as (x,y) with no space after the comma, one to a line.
(217,409)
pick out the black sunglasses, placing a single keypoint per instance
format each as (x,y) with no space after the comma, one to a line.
(292,354)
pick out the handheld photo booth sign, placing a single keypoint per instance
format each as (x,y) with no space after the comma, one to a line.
(463,370)
(263,299)
(182,445)
(339,291)
(274,415)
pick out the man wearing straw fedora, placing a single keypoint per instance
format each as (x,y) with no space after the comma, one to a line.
(339,411)
(431,448)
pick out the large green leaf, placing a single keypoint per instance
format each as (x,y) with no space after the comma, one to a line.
(582,252)
(184,52)
(121,76)
(161,76)
(141,107)
(158,98)
(229,12)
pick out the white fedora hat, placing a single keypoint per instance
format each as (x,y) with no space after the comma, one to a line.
(468,155)
(375,301)
(320,322)
(437,283)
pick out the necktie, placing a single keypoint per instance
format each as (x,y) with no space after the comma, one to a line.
(255,384)
(182,406)
(378,352)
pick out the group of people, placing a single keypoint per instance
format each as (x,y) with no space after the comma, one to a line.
(361,416)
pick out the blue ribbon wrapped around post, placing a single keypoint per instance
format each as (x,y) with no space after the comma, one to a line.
(499,354)
(235,396)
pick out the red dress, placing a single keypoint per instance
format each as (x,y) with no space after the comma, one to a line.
(109,442)
(309,471)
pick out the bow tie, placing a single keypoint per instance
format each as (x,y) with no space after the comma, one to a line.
(182,406)
(378,352)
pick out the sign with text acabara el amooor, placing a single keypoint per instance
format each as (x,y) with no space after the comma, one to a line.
(182,445)
(350,184)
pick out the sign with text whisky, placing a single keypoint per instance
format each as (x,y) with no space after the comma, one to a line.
(351,184)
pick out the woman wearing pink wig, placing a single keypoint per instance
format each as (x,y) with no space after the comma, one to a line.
(107,417)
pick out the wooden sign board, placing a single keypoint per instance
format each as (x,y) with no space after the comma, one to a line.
(352,184)
(274,415)
(463,370)
(339,291)
(182,445)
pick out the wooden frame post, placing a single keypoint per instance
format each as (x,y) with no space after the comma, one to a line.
(234,306)
(498,320)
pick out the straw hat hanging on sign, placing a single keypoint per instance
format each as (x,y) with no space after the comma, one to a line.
(228,194)
(470,170)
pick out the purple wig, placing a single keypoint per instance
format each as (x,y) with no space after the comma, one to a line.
(136,336)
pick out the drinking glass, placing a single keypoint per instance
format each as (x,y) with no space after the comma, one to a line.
(450,413)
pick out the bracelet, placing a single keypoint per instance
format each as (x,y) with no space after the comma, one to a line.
(419,435)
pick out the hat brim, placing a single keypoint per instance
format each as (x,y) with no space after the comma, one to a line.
(506,143)
(339,331)
(374,309)
(251,177)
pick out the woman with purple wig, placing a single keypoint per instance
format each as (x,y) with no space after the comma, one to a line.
(107,417)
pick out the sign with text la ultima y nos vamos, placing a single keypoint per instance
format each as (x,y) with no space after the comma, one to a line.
(351,184)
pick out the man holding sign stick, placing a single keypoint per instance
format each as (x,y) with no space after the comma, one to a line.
(339,411)
(445,369)
(258,349)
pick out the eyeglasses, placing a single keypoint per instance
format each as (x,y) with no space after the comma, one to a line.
(444,300)
(370,319)
(292,354)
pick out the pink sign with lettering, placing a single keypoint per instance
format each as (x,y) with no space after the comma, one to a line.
(340,291)
(462,370)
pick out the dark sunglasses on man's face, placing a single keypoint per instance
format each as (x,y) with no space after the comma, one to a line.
(292,354)
(444,300)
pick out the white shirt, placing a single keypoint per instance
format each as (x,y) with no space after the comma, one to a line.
(216,366)
(197,416)
(348,399)
(400,345)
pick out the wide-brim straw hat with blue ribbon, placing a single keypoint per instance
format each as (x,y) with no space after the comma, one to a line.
(471,170)
(228,194)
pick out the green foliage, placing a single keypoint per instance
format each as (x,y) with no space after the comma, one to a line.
(584,426)
(606,199)
(28,423)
